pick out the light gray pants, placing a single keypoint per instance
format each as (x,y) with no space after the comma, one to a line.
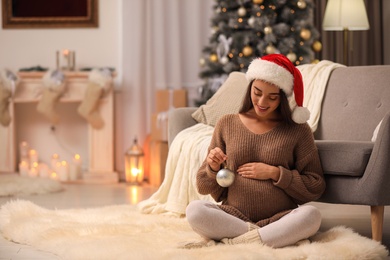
(211,222)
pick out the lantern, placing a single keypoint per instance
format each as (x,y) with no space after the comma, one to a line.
(134,165)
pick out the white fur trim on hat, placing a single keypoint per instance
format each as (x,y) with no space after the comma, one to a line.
(271,73)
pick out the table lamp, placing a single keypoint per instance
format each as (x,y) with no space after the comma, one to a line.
(345,15)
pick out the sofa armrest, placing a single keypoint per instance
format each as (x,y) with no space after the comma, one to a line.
(371,188)
(344,158)
(376,179)
(178,120)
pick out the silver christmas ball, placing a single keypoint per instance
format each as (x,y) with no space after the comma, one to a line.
(225,177)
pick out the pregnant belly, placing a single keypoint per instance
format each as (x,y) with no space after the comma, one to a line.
(258,199)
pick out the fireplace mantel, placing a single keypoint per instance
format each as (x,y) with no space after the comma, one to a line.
(100,141)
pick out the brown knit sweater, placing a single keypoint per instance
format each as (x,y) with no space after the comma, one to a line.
(291,148)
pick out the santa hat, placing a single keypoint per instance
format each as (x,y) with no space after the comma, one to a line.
(277,69)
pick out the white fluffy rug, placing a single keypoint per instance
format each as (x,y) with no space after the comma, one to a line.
(121,232)
(14,184)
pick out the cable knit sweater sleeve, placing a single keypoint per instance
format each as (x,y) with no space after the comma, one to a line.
(206,177)
(305,181)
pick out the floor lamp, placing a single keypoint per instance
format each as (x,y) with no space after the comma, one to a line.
(345,15)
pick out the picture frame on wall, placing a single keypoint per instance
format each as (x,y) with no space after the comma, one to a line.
(30,14)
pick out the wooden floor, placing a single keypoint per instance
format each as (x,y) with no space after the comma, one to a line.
(87,196)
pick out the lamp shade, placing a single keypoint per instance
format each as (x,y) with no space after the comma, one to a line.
(345,14)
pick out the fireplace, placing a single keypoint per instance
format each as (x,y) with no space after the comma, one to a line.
(95,145)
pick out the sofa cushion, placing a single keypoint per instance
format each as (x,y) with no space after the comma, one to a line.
(227,100)
(344,157)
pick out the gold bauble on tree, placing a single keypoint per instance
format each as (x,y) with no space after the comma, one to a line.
(258,2)
(267,29)
(305,34)
(270,49)
(291,56)
(317,46)
(247,51)
(213,57)
(301,4)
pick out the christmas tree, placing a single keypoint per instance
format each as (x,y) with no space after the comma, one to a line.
(243,30)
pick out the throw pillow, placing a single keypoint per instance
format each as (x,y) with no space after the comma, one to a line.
(227,100)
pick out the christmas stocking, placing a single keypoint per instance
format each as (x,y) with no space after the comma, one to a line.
(99,83)
(54,87)
(8,83)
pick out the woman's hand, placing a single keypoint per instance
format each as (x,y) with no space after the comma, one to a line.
(215,158)
(259,171)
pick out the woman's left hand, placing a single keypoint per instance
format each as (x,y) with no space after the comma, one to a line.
(259,171)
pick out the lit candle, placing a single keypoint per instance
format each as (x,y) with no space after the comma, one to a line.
(54,160)
(23,168)
(33,170)
(63,171)
(66,54)
(33,155)
(75,168)
(23,151)
(54,176)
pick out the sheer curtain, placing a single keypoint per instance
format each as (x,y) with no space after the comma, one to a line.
(366,48)
(162,43)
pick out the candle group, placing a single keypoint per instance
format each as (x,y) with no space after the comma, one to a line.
(59,169)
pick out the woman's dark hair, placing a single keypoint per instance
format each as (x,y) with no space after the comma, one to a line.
(283,108)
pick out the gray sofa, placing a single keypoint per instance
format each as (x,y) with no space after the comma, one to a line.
(357,169)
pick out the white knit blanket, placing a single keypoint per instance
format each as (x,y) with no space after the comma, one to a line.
(186,154)
(315,77)
(189,148)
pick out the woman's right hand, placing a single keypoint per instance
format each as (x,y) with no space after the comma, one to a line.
(215,158)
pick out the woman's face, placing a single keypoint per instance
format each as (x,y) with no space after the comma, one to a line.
(265,98)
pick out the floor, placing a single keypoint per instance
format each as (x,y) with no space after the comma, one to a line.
(96,195)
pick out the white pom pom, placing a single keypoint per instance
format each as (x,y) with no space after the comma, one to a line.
(300,115)
(54,80)
(102,77)
(9,80)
